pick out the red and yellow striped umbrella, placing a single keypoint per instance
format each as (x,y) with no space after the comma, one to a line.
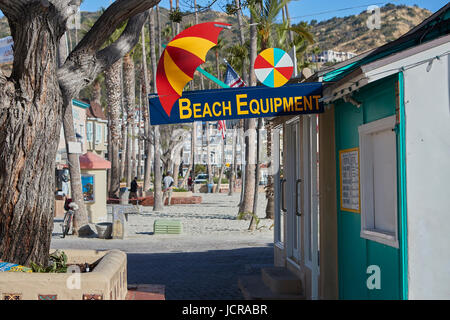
(181,57)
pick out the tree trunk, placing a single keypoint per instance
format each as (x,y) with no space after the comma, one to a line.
(217,66)
(148,159)
(208,154)
(241,38)
(177,25)
(80,218)
(30,123)
(222,167)
(32,102)
(191,169)
(253,221)
(157,192)
(243,157)
(158,28)
(138,135)
(129,93)
(250,164)
(124,131)
(202,83)
(232,181)
(114,96)
(270,207)
(250,125)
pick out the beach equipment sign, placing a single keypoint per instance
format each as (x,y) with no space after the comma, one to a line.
(239,103)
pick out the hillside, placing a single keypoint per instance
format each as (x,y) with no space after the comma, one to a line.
(351,33)
(340,34)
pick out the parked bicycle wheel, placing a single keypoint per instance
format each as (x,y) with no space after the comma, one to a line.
(66,224)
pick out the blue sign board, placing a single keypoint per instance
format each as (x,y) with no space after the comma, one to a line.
(240,103)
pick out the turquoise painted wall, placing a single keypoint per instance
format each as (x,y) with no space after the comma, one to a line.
(355,254)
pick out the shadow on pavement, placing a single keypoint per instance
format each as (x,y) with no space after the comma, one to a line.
(208,275)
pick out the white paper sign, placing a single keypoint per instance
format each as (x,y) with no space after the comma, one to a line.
(349,165)
(74,147)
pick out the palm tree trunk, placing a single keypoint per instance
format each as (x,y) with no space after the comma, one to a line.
(241,38)
(208,154)
(202,83)
(232,181)
(146,90)
(158,28)
(250,125)
(124,130)
(157,191)
(172,24)
(270,207)
(249,181)
(242,144)
(222,167)
(80,220)
(252,225)
(129,92)
(138,139)
(218,66)
(177,24)
(114,97)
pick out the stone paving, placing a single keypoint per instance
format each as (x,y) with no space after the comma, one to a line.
(204,262)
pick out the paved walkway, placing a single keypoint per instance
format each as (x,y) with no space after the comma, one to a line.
(204,262)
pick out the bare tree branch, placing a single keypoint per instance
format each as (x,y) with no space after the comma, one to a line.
(85,62)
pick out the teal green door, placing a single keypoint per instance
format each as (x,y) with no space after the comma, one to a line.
(356,254)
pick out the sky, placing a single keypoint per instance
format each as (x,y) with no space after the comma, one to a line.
(299,10)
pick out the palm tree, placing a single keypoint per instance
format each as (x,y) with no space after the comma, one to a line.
(236,56)
(246,205)
(217,48)
(157,187)
(114,97)
(130,103)
(265,14)
(80,222)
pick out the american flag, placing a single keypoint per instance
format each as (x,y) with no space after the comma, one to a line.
(222,127)
(233,80)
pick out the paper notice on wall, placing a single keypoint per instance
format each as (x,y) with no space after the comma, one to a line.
(74,147)
(6,50)
(349,175)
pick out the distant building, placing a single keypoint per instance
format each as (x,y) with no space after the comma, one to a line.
(332,56)
(96,130)
(79,110)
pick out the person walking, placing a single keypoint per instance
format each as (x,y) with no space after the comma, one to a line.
(133,191)
(189,182)
(168,183)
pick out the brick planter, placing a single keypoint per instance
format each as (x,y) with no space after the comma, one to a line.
(107,281)
(148,201)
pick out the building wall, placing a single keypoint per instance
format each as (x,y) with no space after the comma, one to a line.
(427,113)
(356,254)
(328,218)
(100,147)
(97,209)
(79,123)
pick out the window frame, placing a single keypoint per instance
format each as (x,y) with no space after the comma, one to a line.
(366,182)
(89,132)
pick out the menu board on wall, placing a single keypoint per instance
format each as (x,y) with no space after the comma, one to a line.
(349,176)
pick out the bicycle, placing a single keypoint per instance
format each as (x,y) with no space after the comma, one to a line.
(68,217)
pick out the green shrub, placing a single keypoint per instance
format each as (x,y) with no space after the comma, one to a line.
(224,180)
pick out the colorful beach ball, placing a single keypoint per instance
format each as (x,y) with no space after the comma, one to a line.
(273,67)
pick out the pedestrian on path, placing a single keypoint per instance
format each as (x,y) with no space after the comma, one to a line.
(168,183)
(133,191)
